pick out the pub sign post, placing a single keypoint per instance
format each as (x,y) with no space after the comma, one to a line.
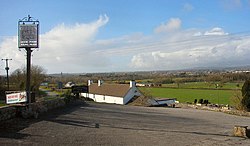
(28,38)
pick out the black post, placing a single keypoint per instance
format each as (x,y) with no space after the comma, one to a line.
(7,71)
(8,81)
(28,92)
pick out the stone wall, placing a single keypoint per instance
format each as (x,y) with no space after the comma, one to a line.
(7,112)
(216,109)
(12,111)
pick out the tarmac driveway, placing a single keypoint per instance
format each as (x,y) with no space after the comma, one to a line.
(107,124)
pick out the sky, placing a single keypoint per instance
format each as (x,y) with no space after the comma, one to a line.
(85,36)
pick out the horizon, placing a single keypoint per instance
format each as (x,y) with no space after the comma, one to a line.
(235,68)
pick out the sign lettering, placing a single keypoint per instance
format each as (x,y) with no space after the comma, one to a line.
(16,97)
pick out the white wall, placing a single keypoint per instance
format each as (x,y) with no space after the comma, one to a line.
(103,98)
(112,99)
(131,93)
(84,94)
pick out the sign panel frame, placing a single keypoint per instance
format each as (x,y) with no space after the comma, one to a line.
(18,97)
(28,35)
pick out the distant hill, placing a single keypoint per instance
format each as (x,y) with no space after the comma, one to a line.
(196,69)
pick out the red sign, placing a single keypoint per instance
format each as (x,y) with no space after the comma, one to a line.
(16,97)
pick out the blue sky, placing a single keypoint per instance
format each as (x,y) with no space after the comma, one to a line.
(129,35)
(128,16)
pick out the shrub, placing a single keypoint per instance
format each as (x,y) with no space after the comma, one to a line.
(237,101)
(200,101)
(68,97)
(206,101)
(246,95)
(195,101)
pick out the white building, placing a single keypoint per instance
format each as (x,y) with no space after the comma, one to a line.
(112,93)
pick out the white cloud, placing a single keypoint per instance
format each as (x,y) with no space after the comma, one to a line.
(77,35)
(71,44)
(197,34)
(188,7)
(182,49)
(63,46)
(172,25)
(215,31)
(197,51)
(8,49)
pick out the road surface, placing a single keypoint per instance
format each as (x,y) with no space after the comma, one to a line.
(107,124)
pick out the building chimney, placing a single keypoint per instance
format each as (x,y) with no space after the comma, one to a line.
(100,82)
(90,82)
(132,83)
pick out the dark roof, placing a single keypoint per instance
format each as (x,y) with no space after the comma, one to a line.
(119,90)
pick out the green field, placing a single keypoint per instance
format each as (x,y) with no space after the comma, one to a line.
(204,85)
(189,95)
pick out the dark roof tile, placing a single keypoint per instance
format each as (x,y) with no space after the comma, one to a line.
(119,90)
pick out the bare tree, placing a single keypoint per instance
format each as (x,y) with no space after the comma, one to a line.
(18,78)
